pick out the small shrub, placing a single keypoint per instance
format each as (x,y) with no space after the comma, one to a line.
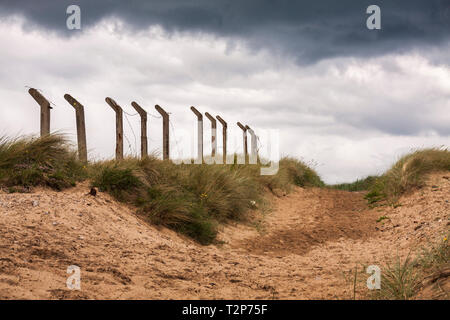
(121,182)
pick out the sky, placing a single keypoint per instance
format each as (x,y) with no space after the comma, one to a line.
(347,100)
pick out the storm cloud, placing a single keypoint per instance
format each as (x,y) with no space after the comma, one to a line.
(307,30)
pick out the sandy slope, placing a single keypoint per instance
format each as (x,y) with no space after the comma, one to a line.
(305,248)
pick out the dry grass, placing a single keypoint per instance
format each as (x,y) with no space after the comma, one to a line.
(400,280)
(407,174)
(358,185)
(47,161)
(292,172)
(403,279)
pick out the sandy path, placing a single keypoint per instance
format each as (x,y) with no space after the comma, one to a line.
(307,248)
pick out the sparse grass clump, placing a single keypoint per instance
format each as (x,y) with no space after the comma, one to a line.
(191,199)
(292,172)
(403,279)
(45,161)
(408,173)
(299,174)
(399,281)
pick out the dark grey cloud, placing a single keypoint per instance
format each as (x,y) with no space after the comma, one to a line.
(307,30)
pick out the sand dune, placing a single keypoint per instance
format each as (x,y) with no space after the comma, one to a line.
(305,248)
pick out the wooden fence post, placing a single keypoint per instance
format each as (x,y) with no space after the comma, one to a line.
(143,114)
(81,126)
(254,151)
(165,117)
(119,127)
(244,136)
(213,134)
(199,136)
(224,138)
(45,110)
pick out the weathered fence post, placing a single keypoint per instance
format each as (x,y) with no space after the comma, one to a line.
(143,114)
(224,138)
(119,127)
(165,117)
(81,126)
(45,110)
(199,159)
(213,134)
(244,135)
(254,151)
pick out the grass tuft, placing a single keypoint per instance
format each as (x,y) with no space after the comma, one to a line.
(407,174)
(400,280)
(119,180)
(46,161)
(358,185)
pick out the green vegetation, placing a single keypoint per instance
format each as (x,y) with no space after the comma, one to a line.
(402,280)
(194,199)
(435,258)
(46,161)
(358,185)
(399,280)
(380,219)
(406,174)
(292,172)
(191,199)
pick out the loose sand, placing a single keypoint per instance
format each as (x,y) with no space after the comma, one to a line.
(307,247)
